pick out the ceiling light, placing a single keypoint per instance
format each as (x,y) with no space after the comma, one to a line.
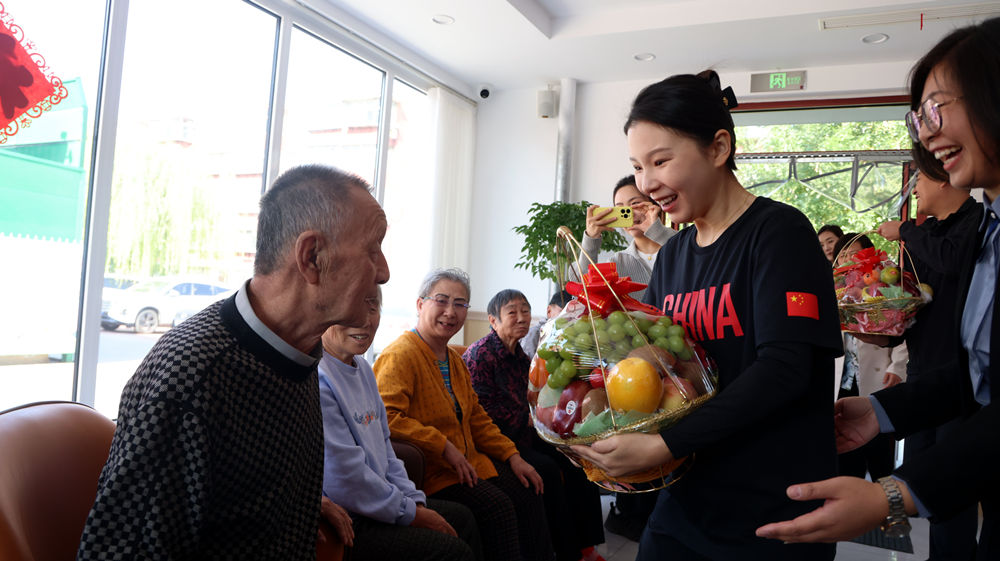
(644,57)
(443,19)
(875,38)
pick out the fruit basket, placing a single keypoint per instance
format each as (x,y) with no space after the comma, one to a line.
(875,296)
(607,365)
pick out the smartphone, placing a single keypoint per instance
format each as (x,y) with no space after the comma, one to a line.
(622,215)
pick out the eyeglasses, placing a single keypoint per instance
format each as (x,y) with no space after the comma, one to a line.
(929,115)
(443,302)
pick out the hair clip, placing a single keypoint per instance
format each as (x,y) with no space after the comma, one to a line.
(729,98)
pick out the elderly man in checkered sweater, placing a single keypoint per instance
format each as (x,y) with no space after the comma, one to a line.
(218,450)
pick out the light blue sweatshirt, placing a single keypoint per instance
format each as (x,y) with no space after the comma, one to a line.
(360,471)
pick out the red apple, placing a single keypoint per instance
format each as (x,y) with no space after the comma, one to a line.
(544,415)
(569,411)
(672,396)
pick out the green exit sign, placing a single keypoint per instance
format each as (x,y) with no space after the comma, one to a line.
(777,81)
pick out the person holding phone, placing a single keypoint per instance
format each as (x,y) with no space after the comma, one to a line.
(648,234)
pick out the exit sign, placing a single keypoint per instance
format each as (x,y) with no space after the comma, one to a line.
(777,81)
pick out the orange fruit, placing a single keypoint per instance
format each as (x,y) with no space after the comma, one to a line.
(538,375)
(634,385)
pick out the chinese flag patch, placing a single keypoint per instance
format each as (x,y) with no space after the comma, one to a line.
(802,304)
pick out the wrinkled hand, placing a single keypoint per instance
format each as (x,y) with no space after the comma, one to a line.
(458,461)
(851,507)
(623,454)
(596,224)
(854,423)
(890,230)
(427,518)
(526,473)
(647,212)
(890,380)
(339,519)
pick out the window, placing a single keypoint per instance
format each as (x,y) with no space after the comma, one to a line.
(43,197)
(408,207)
(189,167)
(332,106)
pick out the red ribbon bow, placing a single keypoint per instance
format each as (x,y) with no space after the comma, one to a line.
(600,295)
(864,261)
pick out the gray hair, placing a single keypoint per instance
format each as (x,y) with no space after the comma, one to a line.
(437,275)
(312,197)
(503,298)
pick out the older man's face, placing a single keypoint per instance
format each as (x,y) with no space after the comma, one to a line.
(358,263)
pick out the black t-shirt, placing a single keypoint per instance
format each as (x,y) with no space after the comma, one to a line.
(764,287)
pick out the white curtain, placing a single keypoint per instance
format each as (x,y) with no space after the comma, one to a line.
(453,122)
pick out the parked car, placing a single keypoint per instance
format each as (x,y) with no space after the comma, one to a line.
(161,301)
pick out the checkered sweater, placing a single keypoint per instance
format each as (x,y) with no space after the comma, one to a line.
(217,454)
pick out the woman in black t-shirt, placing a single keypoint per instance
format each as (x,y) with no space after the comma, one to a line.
(750,282)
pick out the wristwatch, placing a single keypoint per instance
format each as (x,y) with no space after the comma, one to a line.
(896,525)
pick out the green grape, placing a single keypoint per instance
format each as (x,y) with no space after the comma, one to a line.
(638,341)
(556,382)
(675,344)
(685,353)
(552,364)
(618,318)
(675,331)
(662,342)
(567,352)
(630,329)
(583,341)
(561,322)
(665,321)
(656,331)
(602,336)
(616,332)
(644,324)
(600,323)
(547,353)
(567,370)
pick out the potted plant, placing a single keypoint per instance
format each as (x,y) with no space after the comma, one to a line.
(539,253)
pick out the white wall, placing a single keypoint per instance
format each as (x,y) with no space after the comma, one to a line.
(516,155)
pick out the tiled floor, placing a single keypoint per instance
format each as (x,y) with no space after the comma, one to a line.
(617,548)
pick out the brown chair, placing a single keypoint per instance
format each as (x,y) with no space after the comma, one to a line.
(52,455)
(413,460)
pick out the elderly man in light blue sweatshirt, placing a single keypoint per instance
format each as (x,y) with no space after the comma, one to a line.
(391,518)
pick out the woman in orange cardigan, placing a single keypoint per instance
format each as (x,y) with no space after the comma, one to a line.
(430,402)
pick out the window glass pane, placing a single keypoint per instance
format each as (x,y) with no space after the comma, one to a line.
(44,178)
(189,164)
(408,204)
(822,190)
(332,106)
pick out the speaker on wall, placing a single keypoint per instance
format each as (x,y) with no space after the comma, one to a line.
(546,104)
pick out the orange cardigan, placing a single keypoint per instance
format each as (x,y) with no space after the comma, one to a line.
(420,410)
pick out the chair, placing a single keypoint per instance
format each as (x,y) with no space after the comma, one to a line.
(53,453)
(413,460)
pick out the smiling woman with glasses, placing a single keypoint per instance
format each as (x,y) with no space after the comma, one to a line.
(430,402)
(929,114)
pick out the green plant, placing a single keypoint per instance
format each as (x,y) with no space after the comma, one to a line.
(539,253)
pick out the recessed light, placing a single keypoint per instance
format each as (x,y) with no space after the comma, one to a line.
(875,38)
(443,19)
(644,57)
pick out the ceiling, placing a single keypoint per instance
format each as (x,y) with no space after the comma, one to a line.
(524,43)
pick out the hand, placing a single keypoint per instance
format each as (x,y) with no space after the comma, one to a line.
(644,215)
(851,507)
(871,339)
(890,379)
(854,423)
(890,230)
(339,519)
(623,454)
(458,461)
(427,518)
(596,224)
(525,473)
